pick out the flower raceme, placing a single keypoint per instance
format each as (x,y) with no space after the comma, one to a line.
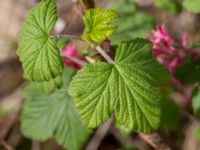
(166,50)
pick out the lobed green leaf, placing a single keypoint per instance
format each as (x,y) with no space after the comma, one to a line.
(97,26)
(130,88)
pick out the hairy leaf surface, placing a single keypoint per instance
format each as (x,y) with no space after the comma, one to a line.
(129,88)
(38,53)
(97,26)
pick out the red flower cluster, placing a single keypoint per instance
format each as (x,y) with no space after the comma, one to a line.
(166,50)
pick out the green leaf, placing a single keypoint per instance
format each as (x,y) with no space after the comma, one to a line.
(192,5)
(196,102)
(169,109)
(130,88)
(124,7)
(53,116)
(171,6)
(132,23)
(97,26)
(61,43)
(49,86)
(197,133)
(189,71)
(38,53)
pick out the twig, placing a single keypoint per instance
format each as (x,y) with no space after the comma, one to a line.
(104,54)
(99,135)
(66,36)
(155,141)
(76,60)
(35,145)
(8,125)
(6,146)
(127,141)
(86,4)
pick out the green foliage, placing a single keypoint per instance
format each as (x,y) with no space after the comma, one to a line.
(196,102)
(172,6)
(97,26)
(61,43)
(169,109)
(197,133)
(196,44)
(189,71)
(132,23)
(192,5)
(49,86)
(53,116)
(38,53)
(130,88)
(124,7)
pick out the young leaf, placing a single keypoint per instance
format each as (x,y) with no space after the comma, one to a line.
(129,88)
(192,5)
(38,53)
(53,116)
(97,26)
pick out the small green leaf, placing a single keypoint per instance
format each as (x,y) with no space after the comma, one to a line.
(132,23)
(130,88)
(61,43)
(97,26)
(192,5)
(38,53)
(49,86)
(53,116)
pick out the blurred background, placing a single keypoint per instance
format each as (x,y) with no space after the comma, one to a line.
(140,20)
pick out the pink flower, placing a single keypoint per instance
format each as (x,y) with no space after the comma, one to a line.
(166,50)
(70,51)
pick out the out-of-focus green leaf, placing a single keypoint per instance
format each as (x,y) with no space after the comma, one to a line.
(196,102)
(192,5)
(189,71)
(171,6)
(49,86)
(170,115)
(61,43)
(197,133)
(124,7)
(53,116)
(132,23)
